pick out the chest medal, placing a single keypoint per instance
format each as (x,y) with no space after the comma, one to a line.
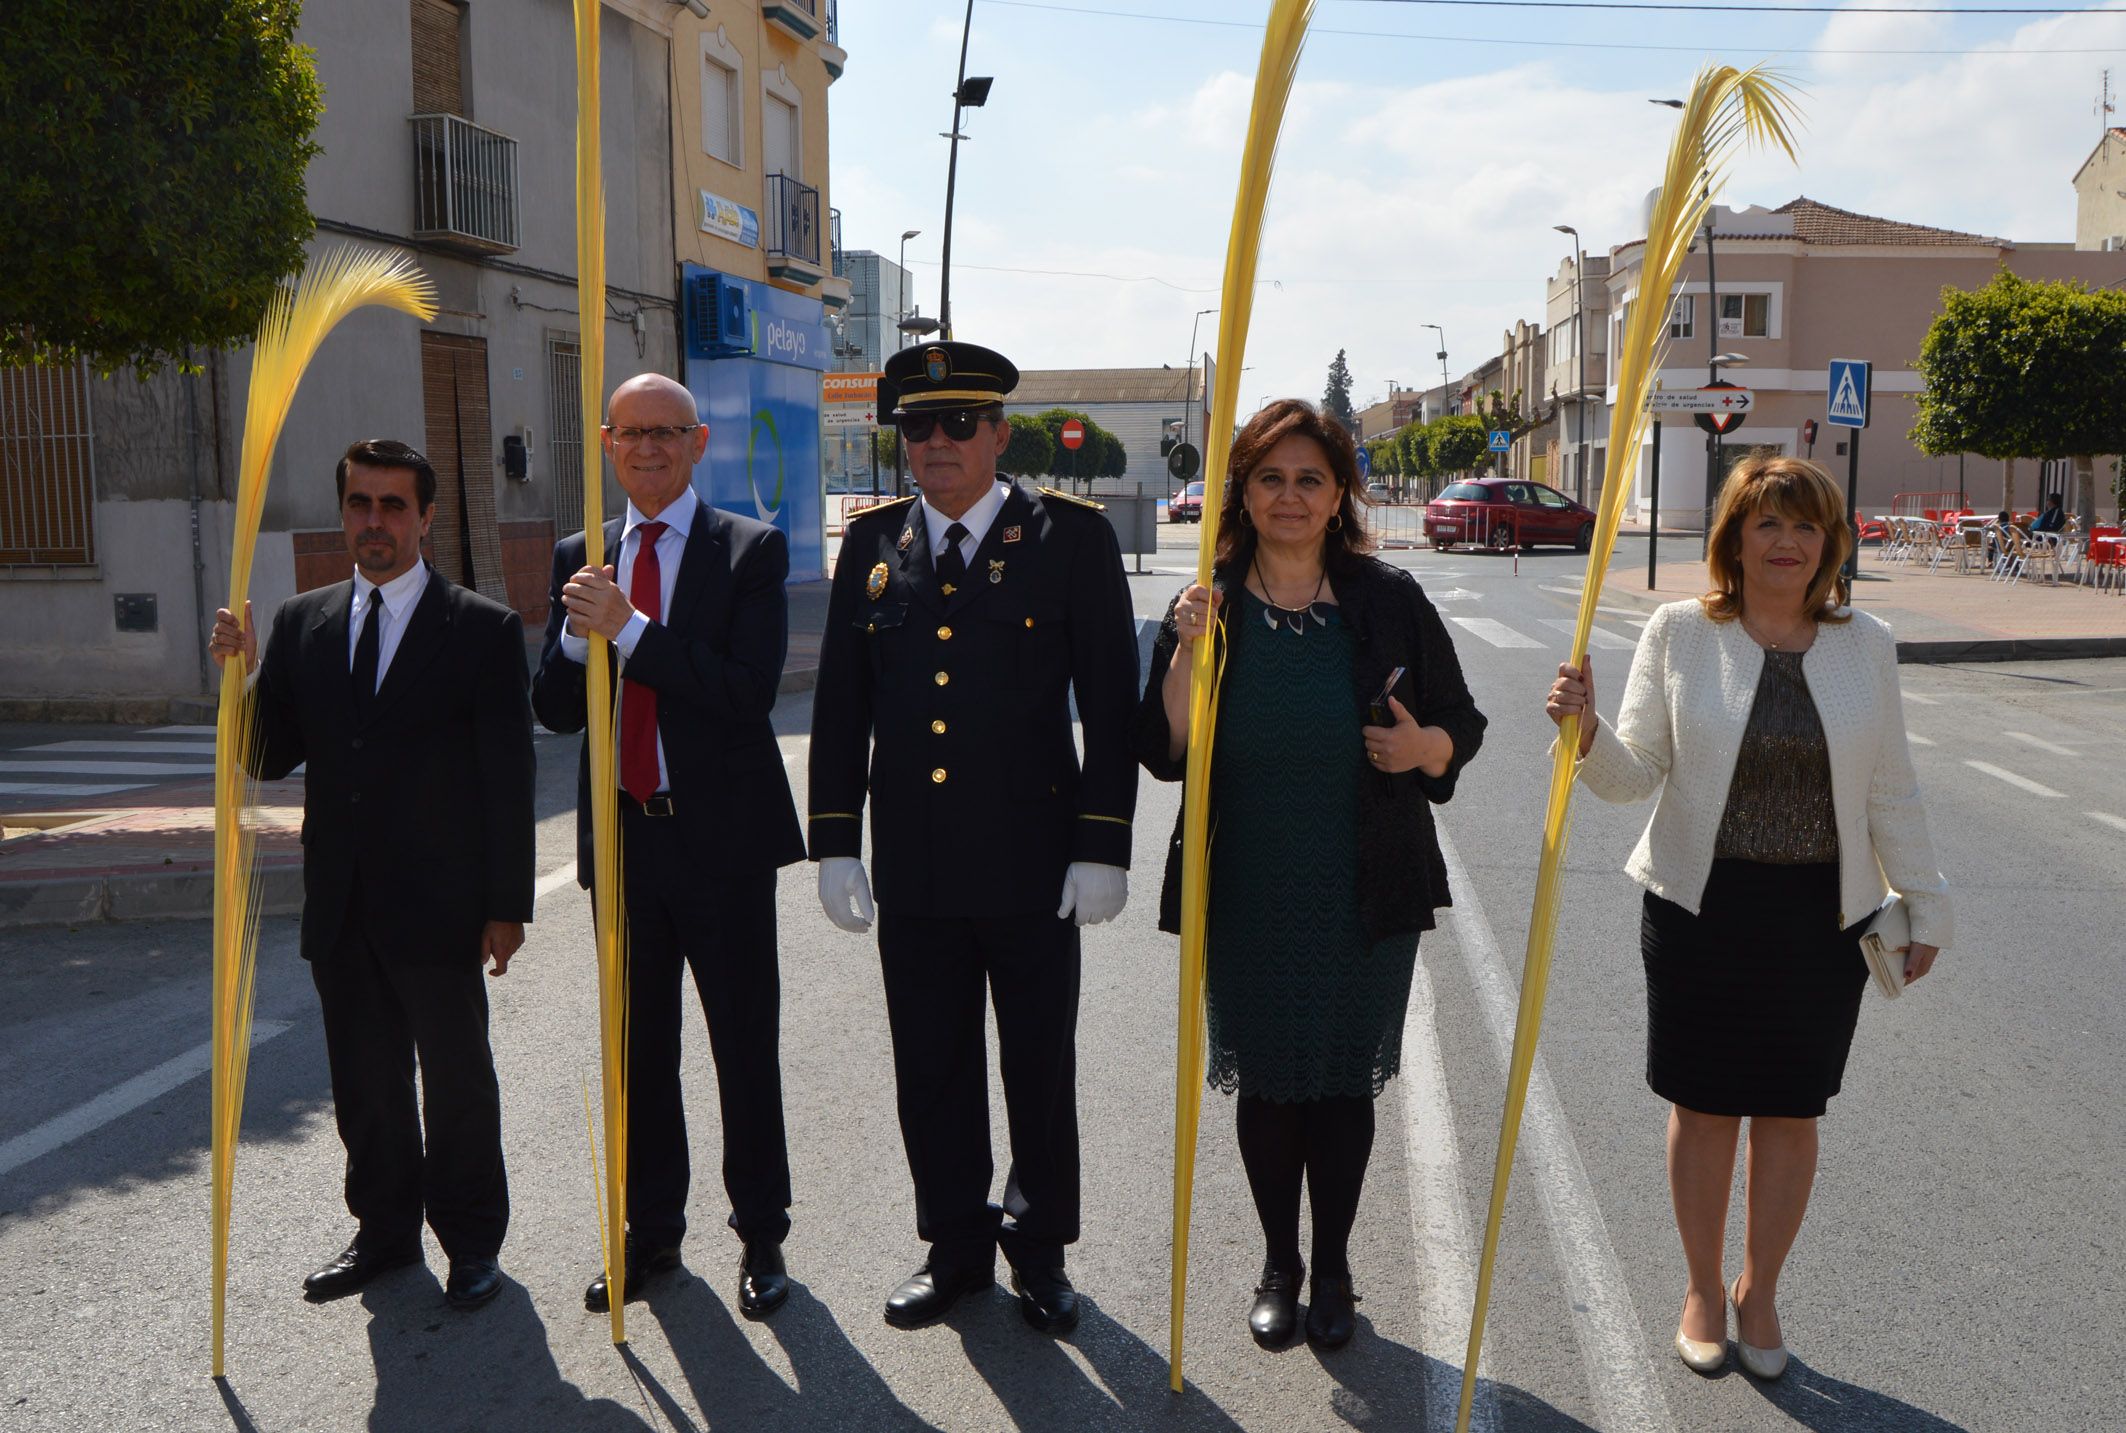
(876,582)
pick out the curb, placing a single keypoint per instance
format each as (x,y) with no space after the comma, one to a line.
(79,900)
(2010,649)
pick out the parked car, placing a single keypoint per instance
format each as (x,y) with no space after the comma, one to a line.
(1500,513)
(1379,493)
(1186,505)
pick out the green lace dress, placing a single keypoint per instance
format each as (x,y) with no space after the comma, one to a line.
(1302,1006)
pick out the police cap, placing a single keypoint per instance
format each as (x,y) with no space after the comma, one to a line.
(948,374)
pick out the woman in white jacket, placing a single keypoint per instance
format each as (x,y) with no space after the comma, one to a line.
(1766,714)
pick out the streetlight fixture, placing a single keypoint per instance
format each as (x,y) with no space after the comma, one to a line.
(1442,357)
(906,235)
(967,93)
(1579,382)
(1188,385)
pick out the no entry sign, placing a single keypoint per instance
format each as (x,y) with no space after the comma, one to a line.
(1072,434)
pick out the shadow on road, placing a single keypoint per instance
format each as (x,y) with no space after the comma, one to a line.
(837,1388)
(1382,1385)
(1041,1386)
(1824,1404)
(437,1368)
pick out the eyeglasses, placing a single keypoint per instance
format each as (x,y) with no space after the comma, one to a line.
(665,434)
(959,424)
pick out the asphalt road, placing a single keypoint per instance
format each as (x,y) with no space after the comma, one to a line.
(1959,1268)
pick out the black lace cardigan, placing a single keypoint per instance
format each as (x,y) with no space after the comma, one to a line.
(1402,879)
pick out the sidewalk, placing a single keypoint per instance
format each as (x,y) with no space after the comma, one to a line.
(1937,616)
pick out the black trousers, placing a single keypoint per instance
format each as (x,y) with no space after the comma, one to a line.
(936,971)
(381,1015)
(722,926)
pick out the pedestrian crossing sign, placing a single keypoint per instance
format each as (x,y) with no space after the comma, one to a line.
(1501,440)
(1848,391)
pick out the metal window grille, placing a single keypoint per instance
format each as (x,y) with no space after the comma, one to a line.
(465,183)
(47,467)
(564,396)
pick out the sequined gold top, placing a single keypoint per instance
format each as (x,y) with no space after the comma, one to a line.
(1779,807)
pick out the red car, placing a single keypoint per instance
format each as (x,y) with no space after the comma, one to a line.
(1505,512)
(1186,505)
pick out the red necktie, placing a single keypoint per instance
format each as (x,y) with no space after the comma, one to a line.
(638,701)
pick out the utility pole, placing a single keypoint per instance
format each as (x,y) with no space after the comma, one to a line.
(966,94)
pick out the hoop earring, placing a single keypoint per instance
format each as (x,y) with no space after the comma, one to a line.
(1245,520)
(1336,522)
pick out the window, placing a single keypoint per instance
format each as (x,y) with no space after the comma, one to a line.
(438,50)
(1465,493)
(1550,498)
(1682,320)
(1745,315)
(564,403)
(779,149)
(1563,346)
(47,467)
(722,103)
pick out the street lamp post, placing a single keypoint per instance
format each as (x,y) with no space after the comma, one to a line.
(1579,382)
(1188,384)
(966,94)
(1443,381)
(906,235)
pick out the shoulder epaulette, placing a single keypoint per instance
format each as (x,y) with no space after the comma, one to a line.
(1074,498)
(876,507)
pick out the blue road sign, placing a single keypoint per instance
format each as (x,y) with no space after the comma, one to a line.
(1501,440)
(1365,463)
(1848,389)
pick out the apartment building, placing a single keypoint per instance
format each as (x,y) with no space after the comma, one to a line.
(1576,301)
(447,135)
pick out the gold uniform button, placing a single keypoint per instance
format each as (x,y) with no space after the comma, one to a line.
(942,678)
(938,727)
(1029,621)
(944,634)
(938,776)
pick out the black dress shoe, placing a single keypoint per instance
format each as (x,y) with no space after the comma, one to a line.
(1274,1319)
(929,1293)
(763,1281)
(642,1261)
(472,1282)
(1046,1299)
(356,1267)
(1331,1313)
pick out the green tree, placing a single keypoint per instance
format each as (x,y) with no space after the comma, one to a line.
(152,195)
(1031,452)
(2026,368)
(1336,397)
(1456,443)
(1092,457)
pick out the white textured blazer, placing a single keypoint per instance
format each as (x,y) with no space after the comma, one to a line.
(1679,732)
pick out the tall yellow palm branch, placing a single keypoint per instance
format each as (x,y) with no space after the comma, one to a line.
(1281,45)
(332,285)
(1728,109)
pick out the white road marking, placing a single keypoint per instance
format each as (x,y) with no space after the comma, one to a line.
(1497,633)
(2039,742)
(179,731)
(43,788)
(553,881)
(1456,594)
(2119,822)
(1446,1265)
(63,1129)
(2035,788)
(1917,740)
(107,768)
(1604,1321)
(1922,700)
(1596,636)
(193,749)
(1565,591)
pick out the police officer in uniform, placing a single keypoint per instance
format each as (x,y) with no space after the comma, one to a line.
(960,624)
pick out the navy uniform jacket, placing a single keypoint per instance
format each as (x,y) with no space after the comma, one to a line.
(954,713)
(429,800)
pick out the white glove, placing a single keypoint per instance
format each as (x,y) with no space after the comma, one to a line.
(841,884)
(1091,893)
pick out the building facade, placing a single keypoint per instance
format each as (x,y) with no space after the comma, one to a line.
(2100,195)
(1134,404)
(1576,375)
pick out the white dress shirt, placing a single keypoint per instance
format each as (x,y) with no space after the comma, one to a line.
(678,518)
(976,520)
(395,602)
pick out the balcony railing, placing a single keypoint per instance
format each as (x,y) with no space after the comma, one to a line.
(790,229)
(799,18)
(464,184)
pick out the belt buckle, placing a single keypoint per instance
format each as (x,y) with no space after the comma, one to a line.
(657,806)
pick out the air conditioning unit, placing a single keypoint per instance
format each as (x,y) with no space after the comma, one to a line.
(2115,244)
(719,319)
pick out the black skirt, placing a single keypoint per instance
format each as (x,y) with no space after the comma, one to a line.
(1751,1003)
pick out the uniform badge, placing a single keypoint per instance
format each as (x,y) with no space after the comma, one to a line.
(1011,534)
(996,569)
(935,366)
(907,536)
(876,582)
(949,589)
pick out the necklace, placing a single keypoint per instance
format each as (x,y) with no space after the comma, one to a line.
(1278,615)
(1784,642)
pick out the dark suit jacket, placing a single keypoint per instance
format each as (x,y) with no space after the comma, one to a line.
(952,713)
(716,664)
(429,801)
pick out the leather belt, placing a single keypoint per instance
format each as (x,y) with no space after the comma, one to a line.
(658,805)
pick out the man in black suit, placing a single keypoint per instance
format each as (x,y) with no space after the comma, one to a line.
(694,605)
(405,696)
(959,628)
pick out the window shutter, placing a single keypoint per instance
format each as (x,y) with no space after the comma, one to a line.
(438,85)
(717,83)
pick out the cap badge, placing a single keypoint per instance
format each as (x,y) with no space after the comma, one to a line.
(935,368)
(876,582)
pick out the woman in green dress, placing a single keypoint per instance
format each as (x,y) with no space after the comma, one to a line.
(1342,715)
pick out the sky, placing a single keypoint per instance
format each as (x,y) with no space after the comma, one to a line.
(1427,153)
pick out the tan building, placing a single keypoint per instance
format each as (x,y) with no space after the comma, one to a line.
(1523,379)
(1401,406)
(1576,380)
(1799,286)
(2100,195)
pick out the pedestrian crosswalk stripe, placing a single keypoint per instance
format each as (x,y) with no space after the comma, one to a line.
(179,731)
(1596,636)
(46,788)
(132,748)
(1497,633)
(107,768)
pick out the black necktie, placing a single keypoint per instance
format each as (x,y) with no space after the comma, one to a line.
(365,654)
(951,567)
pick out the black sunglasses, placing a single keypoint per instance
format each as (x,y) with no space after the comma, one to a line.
(959,424)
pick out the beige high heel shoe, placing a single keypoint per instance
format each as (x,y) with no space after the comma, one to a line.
(1699,1355)
(1765,1363)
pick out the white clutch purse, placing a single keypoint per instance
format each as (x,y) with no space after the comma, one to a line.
(1884,946)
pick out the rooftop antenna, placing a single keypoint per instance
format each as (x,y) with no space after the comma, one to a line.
(2104,107)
